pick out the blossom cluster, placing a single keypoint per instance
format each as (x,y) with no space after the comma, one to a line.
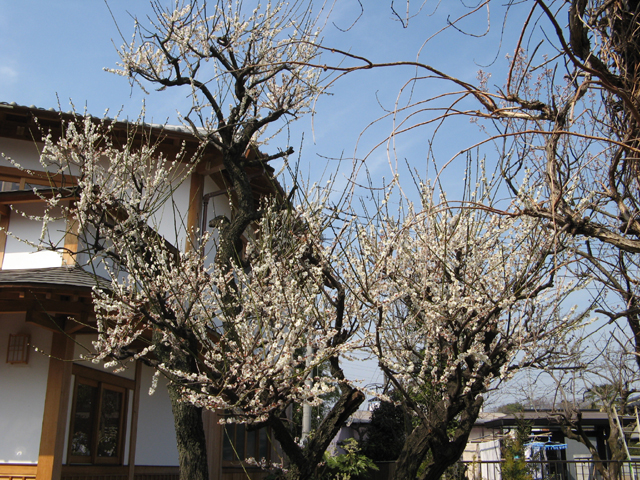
(247,329)
(451,295)
(460,296)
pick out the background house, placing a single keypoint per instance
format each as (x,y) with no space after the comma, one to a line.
(550,452)
(60,416)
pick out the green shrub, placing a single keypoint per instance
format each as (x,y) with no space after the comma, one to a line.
(514,466)
(351,465)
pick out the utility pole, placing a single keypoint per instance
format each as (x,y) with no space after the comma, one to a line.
(306,408)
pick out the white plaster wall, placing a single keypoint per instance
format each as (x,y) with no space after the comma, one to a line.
(171,219)
(24,153)
(22,393)
(19,254)
(219,205)
(156,442)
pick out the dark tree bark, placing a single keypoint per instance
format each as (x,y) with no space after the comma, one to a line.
(190,437)
(305,459)
(443,432)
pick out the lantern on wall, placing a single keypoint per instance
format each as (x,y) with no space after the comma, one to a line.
(18,351)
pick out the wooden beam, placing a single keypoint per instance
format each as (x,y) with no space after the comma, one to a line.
(43,305)
(102,376)
(12,174)
(213,432)
(54,418)
(37,291)
(27,196)
(209,166)
(50,321)
(133,436)
(4,228)
(76,323)
(18,472)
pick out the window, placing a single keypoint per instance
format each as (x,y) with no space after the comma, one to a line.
(15,180)
(18,350)
(239,444)
(98,417)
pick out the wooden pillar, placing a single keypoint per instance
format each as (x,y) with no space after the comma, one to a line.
(213,433)
(70,241)
(56,402)
(133,436)
(5,213)
(196,190)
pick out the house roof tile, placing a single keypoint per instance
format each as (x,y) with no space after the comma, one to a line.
(56,276)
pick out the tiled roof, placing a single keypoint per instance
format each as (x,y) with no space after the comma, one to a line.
(164,127)
(55,276)
(543,418)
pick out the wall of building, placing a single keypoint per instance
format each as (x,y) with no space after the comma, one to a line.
(22,396)
(218,205)
(17,253)
(577,450)
(156,443)
(22,393)
(23,387)
(24,154)
(171,219)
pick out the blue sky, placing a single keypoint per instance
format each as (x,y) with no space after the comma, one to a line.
(55,51)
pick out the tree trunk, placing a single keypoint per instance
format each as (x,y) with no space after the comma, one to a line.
(192,446)
(305,460)
(413,453)
(444,432)
(572,429)
(443,458)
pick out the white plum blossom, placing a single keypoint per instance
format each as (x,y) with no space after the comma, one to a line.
(246,328)
(243,67)
(461,294)
(458,298)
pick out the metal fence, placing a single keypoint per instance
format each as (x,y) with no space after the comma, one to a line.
(554,470)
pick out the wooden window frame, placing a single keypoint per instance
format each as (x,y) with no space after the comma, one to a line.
(102,381)
(256,443)
(23,178)
(18,349)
